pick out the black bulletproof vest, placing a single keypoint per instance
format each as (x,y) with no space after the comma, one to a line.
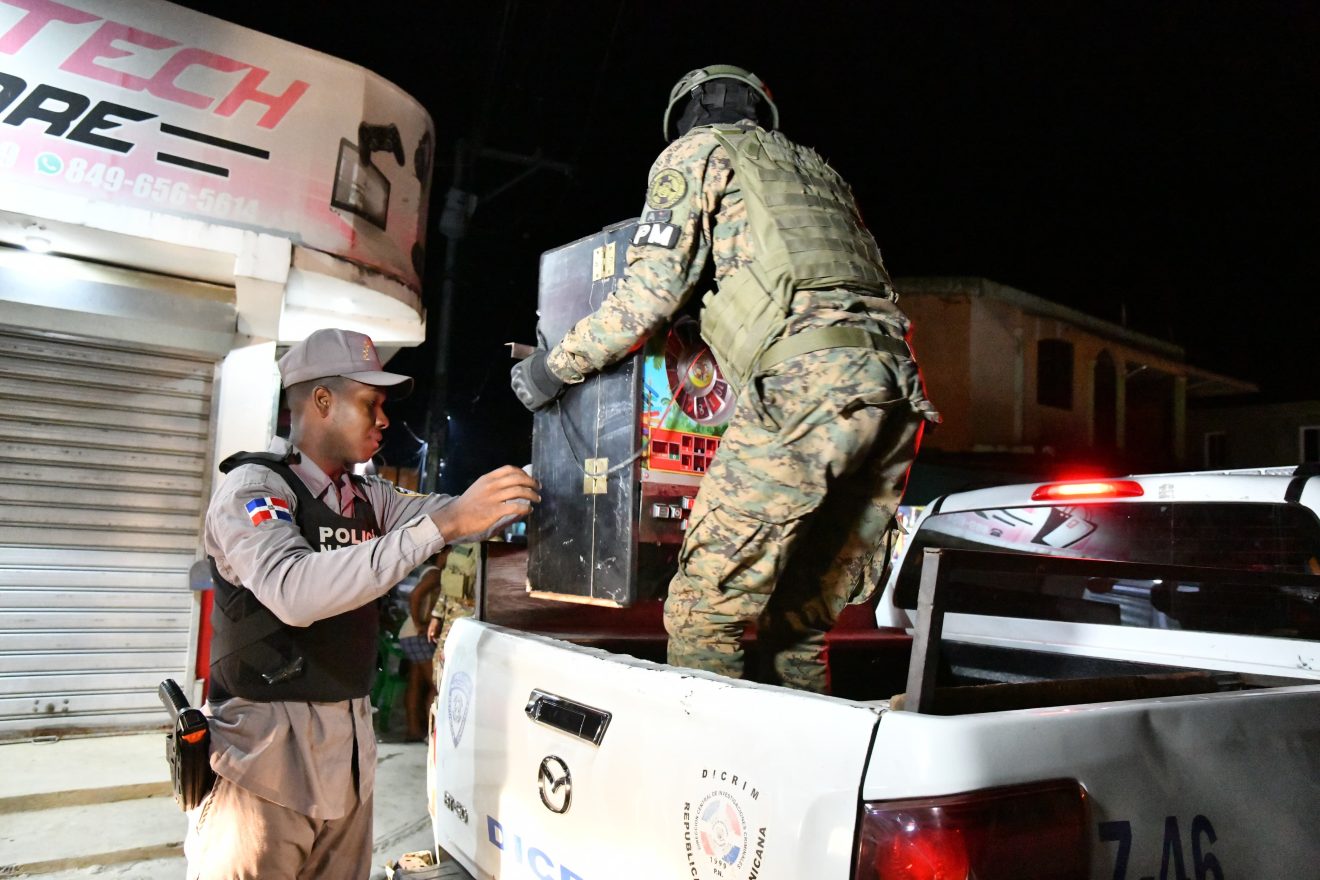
(256,656)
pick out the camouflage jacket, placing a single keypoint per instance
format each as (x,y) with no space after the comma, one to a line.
(696,214)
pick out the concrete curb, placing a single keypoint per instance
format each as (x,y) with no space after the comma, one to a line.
(25,803)
(61,801)
(73,863)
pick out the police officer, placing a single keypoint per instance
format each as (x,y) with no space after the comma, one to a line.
(301,548)
(789,523)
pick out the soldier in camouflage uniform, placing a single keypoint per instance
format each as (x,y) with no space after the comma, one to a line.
(458,579)
(790,520)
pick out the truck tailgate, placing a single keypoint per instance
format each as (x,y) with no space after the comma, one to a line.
(1223,786)
(694,776)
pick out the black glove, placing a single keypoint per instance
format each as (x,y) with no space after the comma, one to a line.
(533,382)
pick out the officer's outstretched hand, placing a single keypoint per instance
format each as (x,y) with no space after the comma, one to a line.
(492,502)
(533,382)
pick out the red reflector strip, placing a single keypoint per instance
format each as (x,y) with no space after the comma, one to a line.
(1088,489)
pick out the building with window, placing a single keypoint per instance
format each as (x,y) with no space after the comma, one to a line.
(1037,388)
(1253,432)
(179,198)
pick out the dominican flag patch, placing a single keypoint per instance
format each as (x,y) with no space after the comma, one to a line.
(262,509)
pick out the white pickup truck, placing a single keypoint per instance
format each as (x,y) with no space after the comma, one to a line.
(1108,679)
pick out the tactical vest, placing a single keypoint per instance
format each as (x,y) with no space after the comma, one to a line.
(458,579)
(256,656)
(808,236)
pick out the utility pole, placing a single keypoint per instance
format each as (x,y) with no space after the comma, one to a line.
(460,204)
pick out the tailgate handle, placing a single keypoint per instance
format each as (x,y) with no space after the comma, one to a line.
(568,716)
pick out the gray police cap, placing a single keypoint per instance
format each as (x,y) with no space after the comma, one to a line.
(339,353)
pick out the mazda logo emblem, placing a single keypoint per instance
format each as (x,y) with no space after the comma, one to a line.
(556,785)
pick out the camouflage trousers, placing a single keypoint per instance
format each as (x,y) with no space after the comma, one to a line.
(790,521)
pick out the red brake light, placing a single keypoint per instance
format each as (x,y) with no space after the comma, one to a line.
(1087,490)
(938,854)
(1037,830)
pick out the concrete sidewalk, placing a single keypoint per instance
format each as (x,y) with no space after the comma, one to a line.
(101,805)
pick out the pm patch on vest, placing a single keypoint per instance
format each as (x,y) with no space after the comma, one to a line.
(660,234)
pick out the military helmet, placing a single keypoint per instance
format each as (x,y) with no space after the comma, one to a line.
(701,75)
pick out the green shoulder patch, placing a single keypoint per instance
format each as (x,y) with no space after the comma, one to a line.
(667,187)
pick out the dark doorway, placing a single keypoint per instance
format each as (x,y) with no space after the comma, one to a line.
(1106,403)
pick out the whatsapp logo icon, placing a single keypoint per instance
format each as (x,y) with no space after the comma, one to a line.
(49,163)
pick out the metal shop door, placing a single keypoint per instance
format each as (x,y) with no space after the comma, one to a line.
(103,470)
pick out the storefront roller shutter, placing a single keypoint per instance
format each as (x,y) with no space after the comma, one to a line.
(103,469)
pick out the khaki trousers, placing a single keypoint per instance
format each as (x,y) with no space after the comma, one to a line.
(235,835)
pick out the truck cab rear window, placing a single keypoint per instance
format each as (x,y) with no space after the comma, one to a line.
(1236,537)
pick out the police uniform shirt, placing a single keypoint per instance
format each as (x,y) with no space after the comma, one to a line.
(300,755)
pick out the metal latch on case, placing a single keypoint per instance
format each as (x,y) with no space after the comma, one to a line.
(602,262)
(595,480)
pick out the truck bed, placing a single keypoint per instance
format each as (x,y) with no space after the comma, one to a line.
(1166,774)
(866,662)
(1052,714)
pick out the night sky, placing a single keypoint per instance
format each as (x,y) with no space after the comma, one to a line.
(1148,162)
